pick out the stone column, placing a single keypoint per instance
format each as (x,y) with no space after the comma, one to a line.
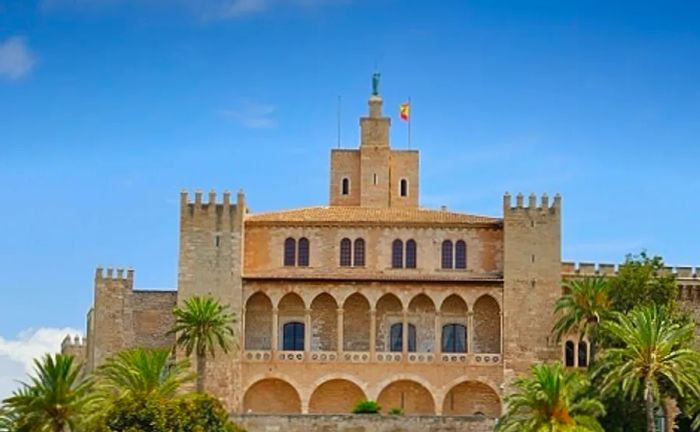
(275,329)
(404,334)
(339,346)
(242,335)
(470,332)
(307,331)
(372,332)
(437,344)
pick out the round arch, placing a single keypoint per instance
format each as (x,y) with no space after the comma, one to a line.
(356,322)
(335,396)
(258,322)
(324,323)
(272,395)
(471,398)
(413,397)
(487,325)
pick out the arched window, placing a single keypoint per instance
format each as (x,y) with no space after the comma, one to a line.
(403,187)
(303,252)
(345,252)
(396,338)
(447,254)
(454,338)
(460,254)
(411,254)
(582,354)
(345,186)
(397,254)
(290,250)
(569,354)
(293,336)
(359,257)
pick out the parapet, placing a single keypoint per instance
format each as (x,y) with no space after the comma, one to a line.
(532,203)
(599,269)
(118,275)
(223,211)
(74,342)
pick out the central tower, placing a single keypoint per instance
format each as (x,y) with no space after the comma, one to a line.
(374,175)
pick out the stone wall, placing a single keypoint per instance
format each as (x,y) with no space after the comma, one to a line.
(362,423)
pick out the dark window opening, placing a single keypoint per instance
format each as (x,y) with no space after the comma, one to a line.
(396,338)
(218,241)
(447,254)
(345,253)
(460,255)
(397,254)
(293,336)
(345,186)
(582,354)
(411,254)
(303,252)
(454,338)
(290,246)
(404,187)
(569,354)
(359,257)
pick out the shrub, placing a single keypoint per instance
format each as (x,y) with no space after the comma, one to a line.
(396,411)
(366,407)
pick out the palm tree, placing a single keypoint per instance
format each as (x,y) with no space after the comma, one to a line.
(54,400)
(139,372)
(655,352)
(202,326)
(584,306)
(552,400)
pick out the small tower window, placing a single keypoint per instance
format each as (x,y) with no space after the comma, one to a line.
(345,252)
(397,254)
(460,254)
(290,246)
(359,256)
(303,252)
(375,179)
(447,254)
(569,354)
(403,187)
(411,254)
(345,186)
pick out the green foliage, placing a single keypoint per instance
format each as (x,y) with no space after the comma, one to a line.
(553,399)
(396,411)
(366,407)
(54,400)
(641,281)
(655,355)
(193,413)
(139,372)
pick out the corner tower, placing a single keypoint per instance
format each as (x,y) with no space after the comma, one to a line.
(374,175)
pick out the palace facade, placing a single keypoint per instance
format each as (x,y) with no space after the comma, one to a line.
(370,297)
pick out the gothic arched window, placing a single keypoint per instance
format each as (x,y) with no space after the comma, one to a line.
(345,252)
(345,186)
(397,254)
(582,354)
(454,338)
(403,187)
(411,254)
(303,252)
(447,254)
(460,254)
(359,257)
(290,251)
(293,336)
(396,338)
(569,354)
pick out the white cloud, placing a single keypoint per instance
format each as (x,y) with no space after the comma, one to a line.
(17,355)
(16,59)
(253,115)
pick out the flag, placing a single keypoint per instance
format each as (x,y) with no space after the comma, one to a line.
(405,111)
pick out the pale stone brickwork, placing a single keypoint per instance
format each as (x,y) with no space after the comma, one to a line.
(317,336)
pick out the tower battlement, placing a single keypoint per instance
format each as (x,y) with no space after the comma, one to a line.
(115,275)
(222,212)
(72,343)
(532,203)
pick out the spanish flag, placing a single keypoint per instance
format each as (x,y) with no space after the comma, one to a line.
(405,111)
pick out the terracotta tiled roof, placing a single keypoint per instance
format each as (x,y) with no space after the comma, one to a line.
(362,215)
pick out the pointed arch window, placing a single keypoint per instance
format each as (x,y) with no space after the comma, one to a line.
(397,254)
(290,248)
(460,254)
(454,338)
(359,253)
(345,186)
(303,252)
(411,254)
(569,354)
(447,254)
(293,336)
(582,354)
(345,252)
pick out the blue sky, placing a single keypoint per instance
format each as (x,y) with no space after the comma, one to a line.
(108,108)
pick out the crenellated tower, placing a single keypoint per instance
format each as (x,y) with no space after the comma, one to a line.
(532,280)
(110,321)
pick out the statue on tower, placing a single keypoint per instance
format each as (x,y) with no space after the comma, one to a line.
(375,83)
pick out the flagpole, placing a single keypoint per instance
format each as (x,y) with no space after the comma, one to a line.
(410,116)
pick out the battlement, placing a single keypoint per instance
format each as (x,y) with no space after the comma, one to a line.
(600,269)
(75,342)
(532,203)
(221,212)
(111,275)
